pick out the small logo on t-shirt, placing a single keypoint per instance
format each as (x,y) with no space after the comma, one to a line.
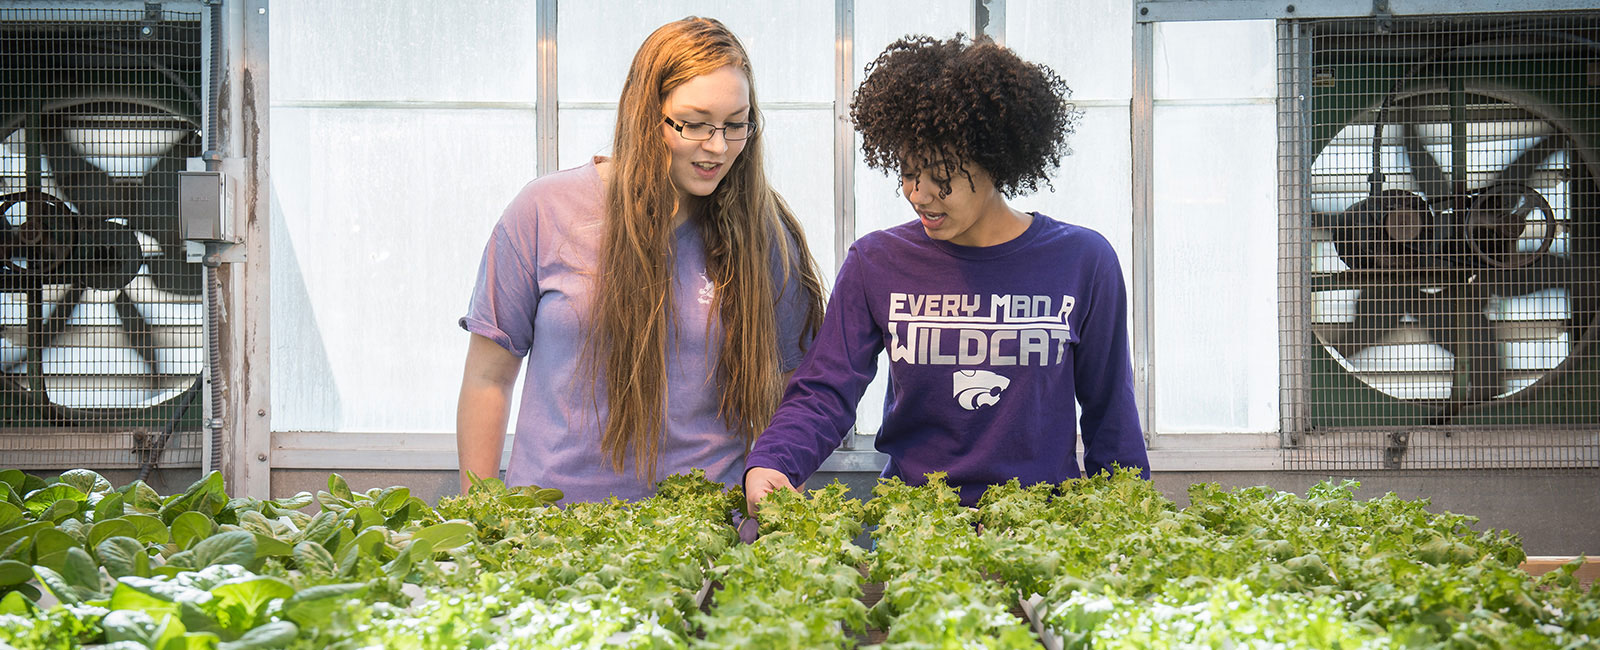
(708,292)
(975,389)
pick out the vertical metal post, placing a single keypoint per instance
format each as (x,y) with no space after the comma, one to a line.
(844,135)
(547,111)
(245,289)
(1141,119)
(844,144)
(1294,272)
(989,19)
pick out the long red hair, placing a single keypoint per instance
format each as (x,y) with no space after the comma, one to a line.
(744,224)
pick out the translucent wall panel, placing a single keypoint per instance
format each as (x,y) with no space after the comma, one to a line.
(400,131)
(1093,188)
(1215,60)
(380,218)
(790,44)
(1087,42)
(879,204)
(585,133)
(1215,234)
(1214,271)
(403,50)
(800,163)
(880,23)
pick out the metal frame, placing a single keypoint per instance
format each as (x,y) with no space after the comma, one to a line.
(56,10)
(989,19)
(1141,121)
(844,135)
(246,288)
(348,450)
(1147,11)
(546,112)
(1293,309)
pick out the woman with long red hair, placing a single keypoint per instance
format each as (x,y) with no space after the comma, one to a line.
(660,296)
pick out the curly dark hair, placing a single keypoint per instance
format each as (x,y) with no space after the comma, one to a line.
(953,102)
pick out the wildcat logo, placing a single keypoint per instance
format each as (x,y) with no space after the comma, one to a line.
(975,389)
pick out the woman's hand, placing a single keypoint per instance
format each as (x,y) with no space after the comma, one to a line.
(758,482)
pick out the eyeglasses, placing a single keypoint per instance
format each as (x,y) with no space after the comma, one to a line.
(700,131)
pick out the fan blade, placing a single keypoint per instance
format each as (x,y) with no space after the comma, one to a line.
(1546,272)
(138,331)
(1379,308)
(60,315)
(150,206)
(171,271)
(1328,220)
(1531,159)
(80,182)
(1425,169)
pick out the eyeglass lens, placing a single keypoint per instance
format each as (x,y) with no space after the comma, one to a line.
(703,131)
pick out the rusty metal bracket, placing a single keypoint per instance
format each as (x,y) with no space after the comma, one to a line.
(1395,453)
(152,19)
(1383,16)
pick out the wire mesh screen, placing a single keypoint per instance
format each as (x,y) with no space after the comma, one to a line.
(1439,246)
(101,325)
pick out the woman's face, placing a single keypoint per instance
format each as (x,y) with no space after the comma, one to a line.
(715,98)
(972,214)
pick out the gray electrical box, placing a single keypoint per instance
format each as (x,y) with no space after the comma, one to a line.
(204,202)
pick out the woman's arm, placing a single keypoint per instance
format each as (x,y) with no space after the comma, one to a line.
(484,408)
(1103,373)
(819,403)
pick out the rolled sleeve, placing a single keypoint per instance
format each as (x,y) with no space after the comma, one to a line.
(505,298)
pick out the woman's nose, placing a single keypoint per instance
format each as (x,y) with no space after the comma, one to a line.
(718,142)
(915,193)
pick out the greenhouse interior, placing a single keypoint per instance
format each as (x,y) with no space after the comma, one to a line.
(272,271)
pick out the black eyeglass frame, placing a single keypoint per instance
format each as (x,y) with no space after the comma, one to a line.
(754,128)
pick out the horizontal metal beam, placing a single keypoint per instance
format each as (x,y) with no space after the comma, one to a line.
(407,104)
(58,11)
(766,106)
(436,451)
(1149,11)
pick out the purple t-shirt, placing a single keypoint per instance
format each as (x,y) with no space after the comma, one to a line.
(533,295)
(989,347)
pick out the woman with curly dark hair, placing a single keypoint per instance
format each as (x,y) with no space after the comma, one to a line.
(996,320)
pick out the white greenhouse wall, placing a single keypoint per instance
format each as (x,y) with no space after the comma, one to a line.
(401,129)
(1215,314)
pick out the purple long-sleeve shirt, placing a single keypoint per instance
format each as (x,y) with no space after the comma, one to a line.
(989,348)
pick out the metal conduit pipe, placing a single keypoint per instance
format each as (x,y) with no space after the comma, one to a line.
(214,359)
(213,160)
